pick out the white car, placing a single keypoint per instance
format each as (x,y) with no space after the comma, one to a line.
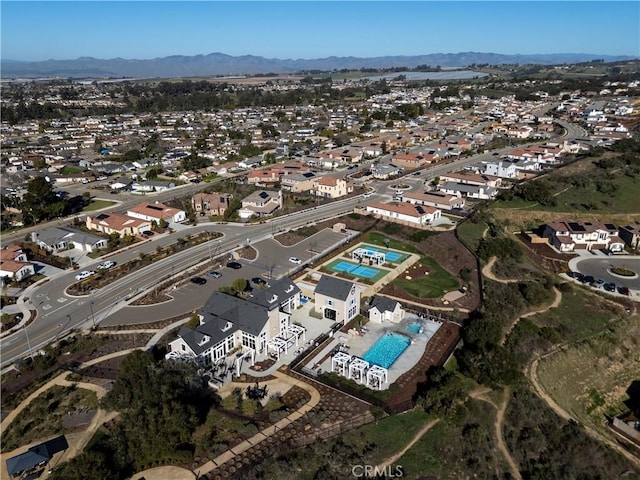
(295,260)
(85,274)
(106,265)
(367,195)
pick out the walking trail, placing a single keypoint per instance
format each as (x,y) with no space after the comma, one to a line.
(500,410)
(532,374)
(394,458)
(511,326)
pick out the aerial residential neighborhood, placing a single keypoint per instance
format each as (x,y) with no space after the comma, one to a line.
(240,267)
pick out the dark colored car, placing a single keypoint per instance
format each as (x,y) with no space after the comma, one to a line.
(588,279)
(610,287)
(147,233)
(214,274)
(623,291)
(258,281)
(199,280)
(234,265)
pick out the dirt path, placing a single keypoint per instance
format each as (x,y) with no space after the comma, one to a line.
(511,326)
(500,410)
(532,374)
(394,458)
(487,271)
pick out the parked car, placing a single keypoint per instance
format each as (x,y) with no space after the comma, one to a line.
(295,260)
(599,283)
(623,290)
(85,274)
(234,265)
(214,274)
(199,280)
(147,233)
(106,265)
(588,279)
(258,281)
(610,287)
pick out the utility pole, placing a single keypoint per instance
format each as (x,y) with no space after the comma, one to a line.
(28,342)
(93,318)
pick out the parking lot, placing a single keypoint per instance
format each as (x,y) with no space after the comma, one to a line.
(599,268)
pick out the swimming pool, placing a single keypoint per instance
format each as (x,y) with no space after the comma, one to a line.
(387,349)
(415,327)
(355,269)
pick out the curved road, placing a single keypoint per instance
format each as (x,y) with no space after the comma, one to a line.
(59,313)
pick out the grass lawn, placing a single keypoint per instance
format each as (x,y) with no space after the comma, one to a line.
(613,360)
(471,233)
(579,314)
(43,416)
(97,205)
(434,285)
(70,170)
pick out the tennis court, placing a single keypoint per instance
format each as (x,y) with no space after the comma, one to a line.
(357,271)
(395,257)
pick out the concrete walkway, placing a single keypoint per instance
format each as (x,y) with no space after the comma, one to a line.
(269,431)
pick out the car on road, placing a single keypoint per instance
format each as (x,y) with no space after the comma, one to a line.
(623,290)
(106,265)
(495,154)
(610,287)
(258,281)
(417,174)
(599,283)
(295,260)
(367,195)
(198,280)
(85,274)
(214,274)
(234,265)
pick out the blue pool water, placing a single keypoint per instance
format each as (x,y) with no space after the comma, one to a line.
(414,327)
(355,270)
(391,256)
(387,349)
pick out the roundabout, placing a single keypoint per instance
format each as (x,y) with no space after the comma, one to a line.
(604,268)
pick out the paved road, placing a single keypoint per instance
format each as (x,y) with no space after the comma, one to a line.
(598,268)
(59,313)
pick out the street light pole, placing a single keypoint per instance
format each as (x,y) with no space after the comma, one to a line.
(93,318)
(28,342)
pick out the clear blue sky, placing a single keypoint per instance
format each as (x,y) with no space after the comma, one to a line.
(304,29)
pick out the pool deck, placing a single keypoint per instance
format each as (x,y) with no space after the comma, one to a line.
(358,345)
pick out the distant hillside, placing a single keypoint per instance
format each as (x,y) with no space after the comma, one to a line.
(221,64)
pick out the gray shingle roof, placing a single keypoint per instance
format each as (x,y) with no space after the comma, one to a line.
(334,287)
(383,304)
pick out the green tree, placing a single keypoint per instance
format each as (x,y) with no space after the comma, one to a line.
(40,202)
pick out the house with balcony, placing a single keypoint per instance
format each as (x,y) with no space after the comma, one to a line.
(500,169)
(567,236)
(337,299)
(211,203)
(298,182)
(330,187)
(252,325)
(261,203)
(111,222)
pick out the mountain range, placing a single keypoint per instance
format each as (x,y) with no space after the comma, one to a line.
(222,64)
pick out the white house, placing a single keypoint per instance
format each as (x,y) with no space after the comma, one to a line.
(384,309)
(155,212)
(253,325)
(500,169)
(337,299)
(568,236)
(403,212)
(14,263)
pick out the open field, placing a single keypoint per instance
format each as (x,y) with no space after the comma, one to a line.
(589,378)
(470,234)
